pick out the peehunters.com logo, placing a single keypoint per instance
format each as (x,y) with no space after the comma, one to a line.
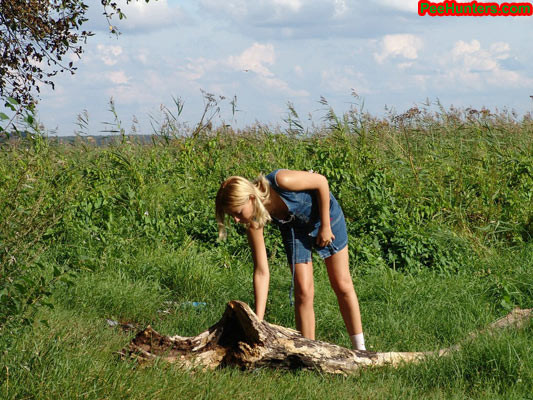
(473,8)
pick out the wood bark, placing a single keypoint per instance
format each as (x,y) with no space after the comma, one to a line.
(240,339)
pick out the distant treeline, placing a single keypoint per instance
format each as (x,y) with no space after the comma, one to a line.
(99,140)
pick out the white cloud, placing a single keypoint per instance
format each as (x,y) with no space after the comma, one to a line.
(243,9)
(152,15)
(143,56)
(109,54)
(405,65)
(236,8)
(117,77)
(473,57)
(293,5)
(343,80)
(466,48)
(254,59)
(253,63)
(196,68)
(340,7)
(501,50)
(140,16)
(147,91)
(404,45)
(403,5)
(473,66)
(281,85)
(270,18)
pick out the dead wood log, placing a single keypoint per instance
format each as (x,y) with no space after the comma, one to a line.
(241,339)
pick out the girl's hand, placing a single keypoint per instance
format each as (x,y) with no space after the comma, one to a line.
(325,236)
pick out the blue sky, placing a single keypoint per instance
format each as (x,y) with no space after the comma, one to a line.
(271,52)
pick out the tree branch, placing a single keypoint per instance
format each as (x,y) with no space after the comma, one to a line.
(241,339)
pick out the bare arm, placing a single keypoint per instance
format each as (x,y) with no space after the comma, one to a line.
(261,271)
(303,180)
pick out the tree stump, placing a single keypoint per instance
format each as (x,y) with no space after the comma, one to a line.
(240,339)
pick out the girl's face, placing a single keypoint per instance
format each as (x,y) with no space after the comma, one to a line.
(242,214)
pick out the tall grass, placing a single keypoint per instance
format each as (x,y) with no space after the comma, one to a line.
(440,219)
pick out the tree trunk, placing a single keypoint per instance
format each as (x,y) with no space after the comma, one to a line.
(241,339)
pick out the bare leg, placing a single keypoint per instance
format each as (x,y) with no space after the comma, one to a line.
(341,282)
(304,292)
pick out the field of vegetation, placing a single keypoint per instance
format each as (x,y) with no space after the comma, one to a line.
(439,208)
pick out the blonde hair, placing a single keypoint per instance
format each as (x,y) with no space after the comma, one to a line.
(234,192)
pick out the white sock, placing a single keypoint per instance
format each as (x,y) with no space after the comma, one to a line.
(358,341)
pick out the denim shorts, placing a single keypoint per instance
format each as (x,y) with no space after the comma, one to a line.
(300,238)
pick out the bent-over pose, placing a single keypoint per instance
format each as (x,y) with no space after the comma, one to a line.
(308,216)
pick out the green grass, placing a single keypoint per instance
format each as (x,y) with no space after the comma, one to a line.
(439,209)
(76,356)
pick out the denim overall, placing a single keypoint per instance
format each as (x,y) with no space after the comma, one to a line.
(299,231)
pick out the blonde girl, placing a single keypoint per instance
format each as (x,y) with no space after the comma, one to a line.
(308,216)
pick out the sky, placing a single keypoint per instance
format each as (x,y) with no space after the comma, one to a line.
(265,54)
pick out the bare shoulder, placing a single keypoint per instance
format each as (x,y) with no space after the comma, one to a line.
(299,180)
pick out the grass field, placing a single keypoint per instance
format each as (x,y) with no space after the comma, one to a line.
(439,209)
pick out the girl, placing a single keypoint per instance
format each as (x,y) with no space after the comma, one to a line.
(308,216)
